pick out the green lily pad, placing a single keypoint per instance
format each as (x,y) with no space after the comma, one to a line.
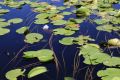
(44,55)
(33,38)
(83,11)
(22,30)
(109,74)
(36,71)
(15,20)
(68,78)
(4,24)
(66,13)
(13,74)
(101,21)
(3,11)
(113,61)
(93,54)
(42,16)
(80,40)
(41,21)
(62,31)
(67,41)
(4,31)
(108,28)
(57,17)
(59,22)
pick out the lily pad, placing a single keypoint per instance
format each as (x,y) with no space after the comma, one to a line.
(59,22)
(4,31)
(15,20)
(113,61)
(36,71)
(41,21)
(93,54)
(109,74)
(42,16)
(22,30)
(62,31)
(4,24)
(67,41)
(66,13)
(13,74)
(57,17)
(108,28)
(3,11)
(33,38)
(44,55)
(101,21)
(68,78)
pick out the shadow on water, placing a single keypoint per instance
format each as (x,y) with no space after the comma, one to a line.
(11,43)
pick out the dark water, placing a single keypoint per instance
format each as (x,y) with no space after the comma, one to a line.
(11,44)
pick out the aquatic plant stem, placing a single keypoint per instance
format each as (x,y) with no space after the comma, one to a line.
(55,57)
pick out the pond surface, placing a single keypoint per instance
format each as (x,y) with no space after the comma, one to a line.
(12,44)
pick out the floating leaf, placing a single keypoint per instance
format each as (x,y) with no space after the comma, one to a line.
(66,13)
(42,16)
(13,74)
(112,61)
(15,20)
(109,74)
(41,21)
(3,11)
(101,21)
(59,22)
(83,11)
(36,71)
(4,31)
(67,41)
(82,39)
(93,54)
(22,30)
(57,17)
(62,31)
(43,55)
(4,24)
(33,37)
(108,28)
(68,78)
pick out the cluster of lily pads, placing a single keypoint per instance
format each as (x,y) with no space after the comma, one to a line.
(50,14)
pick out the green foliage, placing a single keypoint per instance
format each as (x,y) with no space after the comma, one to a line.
(36,71)
(13,74)
(93,54)
(109,74)
(41,21)
(44,55)
(80,40)
(4,31)
(22,30)
(68,78)
(59,22)
(108,28)
(33,38)
(63,31)
(15,20)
